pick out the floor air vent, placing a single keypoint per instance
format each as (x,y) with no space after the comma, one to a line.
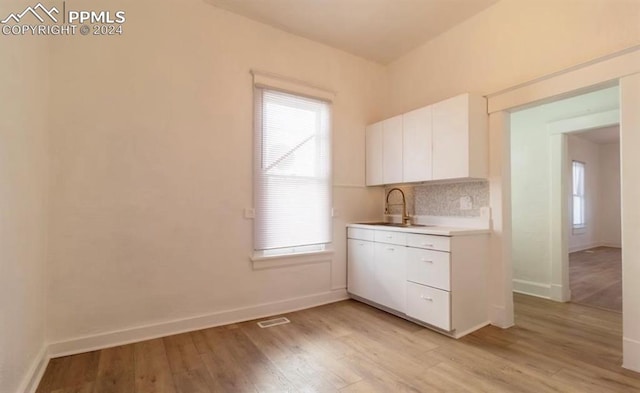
(273,322)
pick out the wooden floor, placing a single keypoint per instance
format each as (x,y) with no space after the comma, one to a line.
(351,347)
(596,277)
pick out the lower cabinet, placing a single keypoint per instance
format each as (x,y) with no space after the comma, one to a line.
(390,276)
(437,281)
(429,305)
(361,268)
(375,272)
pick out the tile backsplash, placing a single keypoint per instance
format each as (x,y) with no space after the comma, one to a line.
(441,199)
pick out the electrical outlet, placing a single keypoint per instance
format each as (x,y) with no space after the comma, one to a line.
(249,213)
(466,203)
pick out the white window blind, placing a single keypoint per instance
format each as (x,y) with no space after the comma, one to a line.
(292,173)
(578,195)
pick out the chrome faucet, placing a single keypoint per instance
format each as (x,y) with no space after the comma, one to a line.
(406,220)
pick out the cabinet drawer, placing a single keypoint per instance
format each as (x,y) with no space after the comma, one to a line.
(428,267)
(431,242)
(359,233)
(399,238)
(429,305)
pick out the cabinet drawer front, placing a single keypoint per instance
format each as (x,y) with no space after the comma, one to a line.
(399,238)
(431,242)
(359,233)
(428,267)
(429,305)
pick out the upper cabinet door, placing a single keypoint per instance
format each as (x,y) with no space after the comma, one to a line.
(450,138)
(392,150)
(417,145)
(460,138)
(374,154)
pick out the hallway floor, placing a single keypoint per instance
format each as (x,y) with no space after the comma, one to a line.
(596,277)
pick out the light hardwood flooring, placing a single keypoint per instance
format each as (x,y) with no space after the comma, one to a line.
(351,347)
(596,277)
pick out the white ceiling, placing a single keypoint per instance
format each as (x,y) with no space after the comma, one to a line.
(379,30)
(602,136)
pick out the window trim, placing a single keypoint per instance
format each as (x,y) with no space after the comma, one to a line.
(302,258)
(579,228)
(268,81)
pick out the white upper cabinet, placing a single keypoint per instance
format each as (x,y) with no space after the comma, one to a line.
(374,154)
(392,150)
(444,141)
(417,145)
(460,138)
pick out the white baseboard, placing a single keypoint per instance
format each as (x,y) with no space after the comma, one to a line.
(559,293)
(128,336)
(594,245)
(631,351)
(582,247)
(532,288)
(36,371)
(612,245)
(471,330)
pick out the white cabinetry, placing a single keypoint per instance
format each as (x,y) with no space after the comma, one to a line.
(376,270)
(446,140)
(373,158)
(384,152)
(390,275)
(430,305)
(460,138)
(417,141)
(361,253)
(438,281)
(392,150)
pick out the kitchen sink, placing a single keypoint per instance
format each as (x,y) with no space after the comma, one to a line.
(395,224)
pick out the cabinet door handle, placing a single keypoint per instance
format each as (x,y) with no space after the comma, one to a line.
(391,249)
(427,245)
(427,260)
(427,298)
(389,237)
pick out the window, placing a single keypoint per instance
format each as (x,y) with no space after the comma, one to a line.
(579,221)
(292,174)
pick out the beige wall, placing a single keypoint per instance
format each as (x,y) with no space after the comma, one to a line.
(512,42)
(630,194)
(23,205)
(609,208)
(152,166)
(530,188)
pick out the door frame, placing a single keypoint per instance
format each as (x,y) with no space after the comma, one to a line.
(621,68)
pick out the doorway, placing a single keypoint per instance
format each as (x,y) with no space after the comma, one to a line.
(622,68)
(594,226)
(547,141)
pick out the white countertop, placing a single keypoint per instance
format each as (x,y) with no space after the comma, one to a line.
(426,230)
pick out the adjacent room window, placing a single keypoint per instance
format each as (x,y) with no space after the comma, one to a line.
(579,221)
(292,174)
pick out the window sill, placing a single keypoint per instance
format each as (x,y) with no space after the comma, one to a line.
(579,230)
(304,258)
